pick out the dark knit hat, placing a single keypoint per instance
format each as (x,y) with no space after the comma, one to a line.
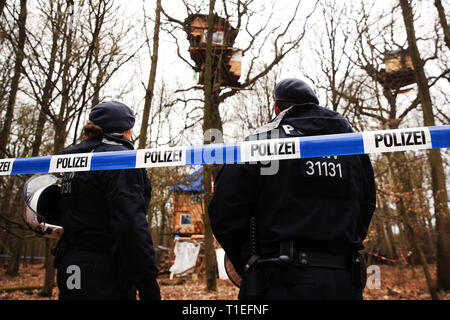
(112,116)
(294,90)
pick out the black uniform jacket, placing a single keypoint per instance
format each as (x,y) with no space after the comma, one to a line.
(107,209)
(322,204)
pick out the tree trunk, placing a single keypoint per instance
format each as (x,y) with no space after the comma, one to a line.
(2,6)
(382,244)
(432,231)
(59,127)
(390,239)
(151,79)
(5,131)
(48,88)
(13,266)
(25,251)
(210,254)
(14,262)
(430,241)
(32,250)
(99,19)
(100,74)
(437,170)
(60,123)
(443,21)
(39,133)
(49,281)
(6,209)
(402,178)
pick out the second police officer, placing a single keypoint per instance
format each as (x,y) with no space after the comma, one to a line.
(106,251)
(295,233)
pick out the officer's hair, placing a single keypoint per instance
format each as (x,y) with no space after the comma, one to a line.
(92,131)
(283,105)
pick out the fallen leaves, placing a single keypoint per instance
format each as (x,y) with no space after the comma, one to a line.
(397,283)
(401,282)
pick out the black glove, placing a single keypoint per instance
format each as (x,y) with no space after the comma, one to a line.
(149,290)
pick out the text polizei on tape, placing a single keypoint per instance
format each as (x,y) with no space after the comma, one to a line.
(165,157)
(6,166)
(71,162)
(275,149)
(397,140)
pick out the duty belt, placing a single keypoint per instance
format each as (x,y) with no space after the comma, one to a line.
(319,259)
(306,259)
(302,258)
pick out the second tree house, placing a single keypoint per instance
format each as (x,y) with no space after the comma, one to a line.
(399,70)
(188,206)
(227,59)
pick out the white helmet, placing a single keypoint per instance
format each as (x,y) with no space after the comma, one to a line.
(41,211)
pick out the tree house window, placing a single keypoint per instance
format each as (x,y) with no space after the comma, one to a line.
(185,219)
(217,37)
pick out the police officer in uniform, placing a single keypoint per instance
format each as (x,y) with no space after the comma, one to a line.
(295,233)
(106,251)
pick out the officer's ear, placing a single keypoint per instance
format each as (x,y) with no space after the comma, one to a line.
(275,107)
(127,134)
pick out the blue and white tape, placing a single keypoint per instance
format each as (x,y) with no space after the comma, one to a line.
(248,151)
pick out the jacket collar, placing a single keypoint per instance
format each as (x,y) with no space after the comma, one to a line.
(90,145)
(117,139)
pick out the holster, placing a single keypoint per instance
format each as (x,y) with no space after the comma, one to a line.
(359,271)
(255,282)
(254,286)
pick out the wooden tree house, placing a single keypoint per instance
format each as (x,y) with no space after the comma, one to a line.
(226,57)
(188,204)
(399,70)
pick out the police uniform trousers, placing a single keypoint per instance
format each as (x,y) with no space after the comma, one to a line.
(311,283)
(91,275)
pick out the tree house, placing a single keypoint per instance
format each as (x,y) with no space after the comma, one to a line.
(227,59)
(399,70)
(188,204)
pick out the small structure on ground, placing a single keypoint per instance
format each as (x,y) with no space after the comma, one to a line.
(188,228)
(188,206)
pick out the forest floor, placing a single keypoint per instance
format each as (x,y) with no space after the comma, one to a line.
(397,283)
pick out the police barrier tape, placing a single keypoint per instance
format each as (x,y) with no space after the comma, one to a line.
(402,257)
(247,151)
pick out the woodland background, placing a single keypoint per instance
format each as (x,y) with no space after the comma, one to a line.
(59,58)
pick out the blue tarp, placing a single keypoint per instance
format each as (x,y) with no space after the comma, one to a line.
(192,182)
